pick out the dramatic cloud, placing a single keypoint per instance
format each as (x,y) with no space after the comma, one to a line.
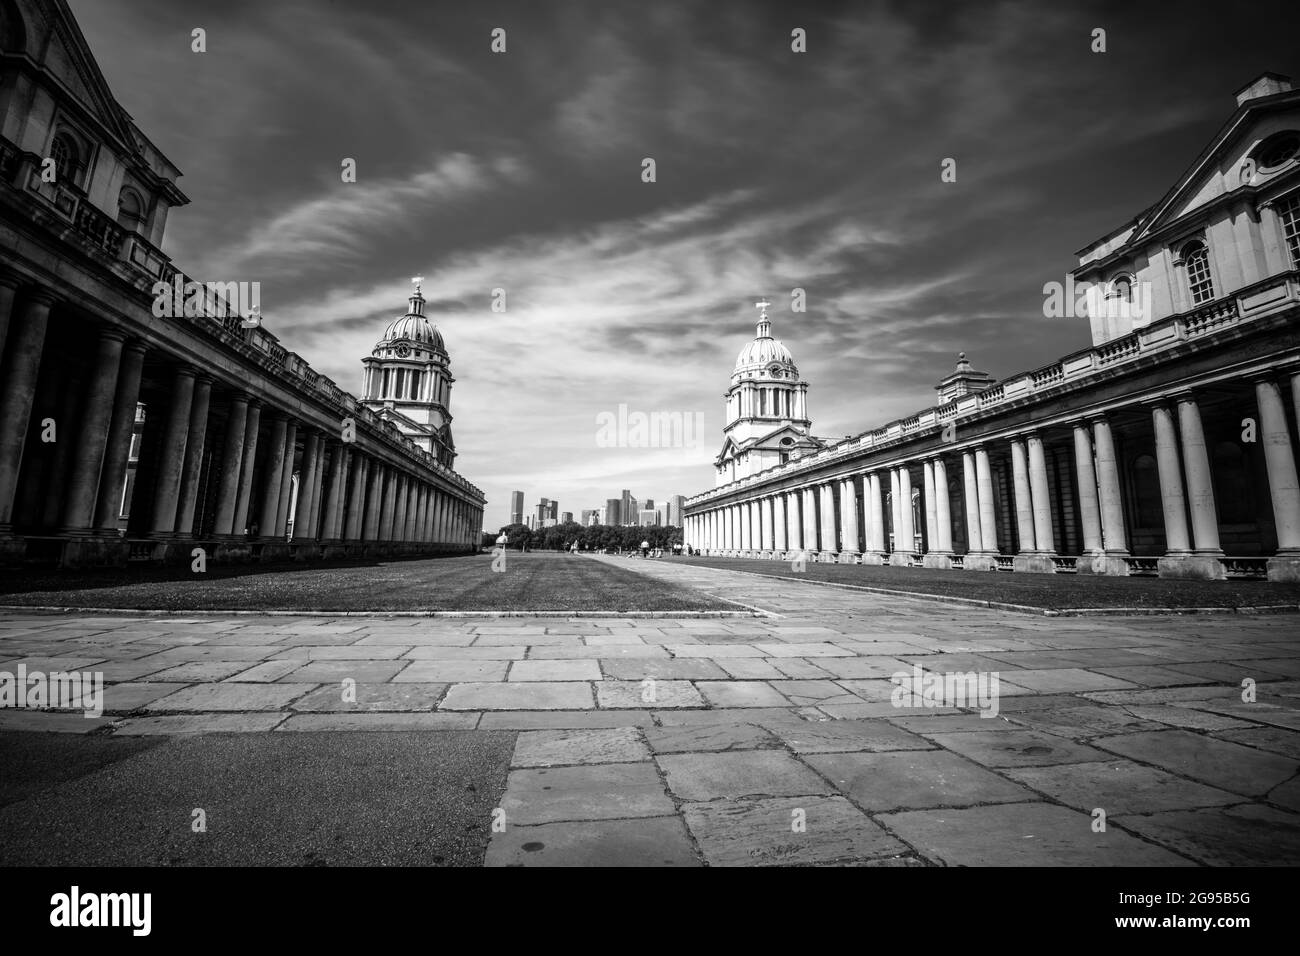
(775,170)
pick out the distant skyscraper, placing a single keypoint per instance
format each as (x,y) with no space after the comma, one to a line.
(613,511)
(553,509)
(543,509)
(627,509)
(566,517)
(516,507)
(648,517)
(675,505)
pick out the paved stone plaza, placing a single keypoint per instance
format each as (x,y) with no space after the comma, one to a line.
(766,739)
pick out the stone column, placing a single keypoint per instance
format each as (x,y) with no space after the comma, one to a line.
(1111,499)
(848,521)
(281,529)
(338,493)
(778,526)
(231,459)
(793,526)
(1173,504)
(971,500)
(875,509)
(1284,489)
(18,374)
(172,457)
(745,536)
(192,469)
(1024,502)
(1200,488)
(931,514)
(251,435)
(302,527)
(269,504)
(318,490)
(374,500)
(905,530)
(1041,495)
(421,512)
(390,504)
(1085,480)
(96,414)
(895,514)
(810,522)
(357,500)
(943,511)
(830,549)
(988,519)
(108,507)
(768,507)
(8,292)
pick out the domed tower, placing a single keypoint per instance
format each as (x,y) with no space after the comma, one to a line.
(407,380)
(767,409)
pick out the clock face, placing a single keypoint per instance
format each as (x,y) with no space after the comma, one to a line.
(403,350)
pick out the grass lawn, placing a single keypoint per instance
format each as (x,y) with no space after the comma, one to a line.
(530,582)
(1048,591)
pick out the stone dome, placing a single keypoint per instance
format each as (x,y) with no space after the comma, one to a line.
(414,326)
(764,351)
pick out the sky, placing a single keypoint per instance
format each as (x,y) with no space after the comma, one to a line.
(774,170)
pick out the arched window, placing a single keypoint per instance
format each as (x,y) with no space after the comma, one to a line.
(1146,493)
(1233,490)
(1196,259)
(1278,150)
(130,209)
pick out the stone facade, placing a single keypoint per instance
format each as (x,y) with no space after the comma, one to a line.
(245,451)
(1166,448)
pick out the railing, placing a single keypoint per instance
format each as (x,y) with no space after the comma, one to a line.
(1044,378)
(1211,318)
(958,562)
(1143,567)
(1004,562)
(1119,349)
(1246,567)
(1065,564)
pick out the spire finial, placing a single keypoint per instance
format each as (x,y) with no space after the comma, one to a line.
(762,304)
(417,298)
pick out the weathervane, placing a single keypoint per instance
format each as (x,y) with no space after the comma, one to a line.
(762,304)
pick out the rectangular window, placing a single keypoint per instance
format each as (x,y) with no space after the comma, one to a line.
(1198,277)
(1288,213)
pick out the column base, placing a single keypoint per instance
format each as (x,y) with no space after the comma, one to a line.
(85,550)
(901,559)
(1192,567)
(874,558)
(849,557)
(937,559)
(274,550)
(980,561)
(1033,564)
(827,557)
(13,550)
(767,555)
(1284,569)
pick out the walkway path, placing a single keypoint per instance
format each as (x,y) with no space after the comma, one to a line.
(765,740)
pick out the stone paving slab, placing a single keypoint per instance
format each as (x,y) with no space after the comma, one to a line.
(745,773)
(1017,748)
(654,842)
(786,831)
(915,780)
(653,693)
(371,697)
(226,697)
(710,738)
(1022,834)
(1220,763)
(551,748)
(1246,835)
(534,720)
(519,695)
(597,792)
(1119,787)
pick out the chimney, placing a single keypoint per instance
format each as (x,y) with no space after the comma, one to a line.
(1266,84)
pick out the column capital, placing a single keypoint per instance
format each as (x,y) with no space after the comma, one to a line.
(44,296)
(112,332)
(11,279)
